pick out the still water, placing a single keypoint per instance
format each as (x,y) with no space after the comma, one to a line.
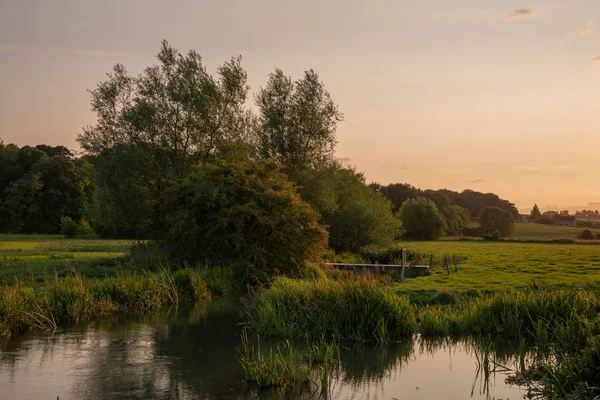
(192,355)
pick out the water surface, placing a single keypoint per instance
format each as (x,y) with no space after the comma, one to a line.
(192,355)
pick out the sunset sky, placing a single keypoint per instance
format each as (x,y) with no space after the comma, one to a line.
(493,95)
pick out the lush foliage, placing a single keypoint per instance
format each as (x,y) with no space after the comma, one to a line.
(496,223)
(356,309)
(421,219)
(471,200)
(247,212)
(362,216)
(298,121)
(36,191)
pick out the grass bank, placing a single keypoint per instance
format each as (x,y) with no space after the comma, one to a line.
(357,310)
(71,300)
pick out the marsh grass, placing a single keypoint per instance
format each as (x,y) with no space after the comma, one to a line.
(71,300)
(277,366)
(359,309)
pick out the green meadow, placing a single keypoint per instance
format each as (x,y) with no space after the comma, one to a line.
(547,232)
(36,258)
(485,267)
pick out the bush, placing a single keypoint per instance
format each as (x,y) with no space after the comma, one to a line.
(495,223)
(355,214)
(241,212)
(586,235)
(68,227)
(358,309)
(545,221)
(421,219)
(473,232)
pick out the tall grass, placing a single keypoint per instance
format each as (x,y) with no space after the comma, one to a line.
(360,309)
(277,366)
(71,300)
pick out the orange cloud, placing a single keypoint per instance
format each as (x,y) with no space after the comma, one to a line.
(597,61)
(586,30)
(521,13)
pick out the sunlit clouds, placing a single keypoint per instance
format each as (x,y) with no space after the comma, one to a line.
(521,13)
(586,30)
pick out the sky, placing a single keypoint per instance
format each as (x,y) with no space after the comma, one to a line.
(491,95)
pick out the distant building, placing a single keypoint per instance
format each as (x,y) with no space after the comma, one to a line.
(564,220)
(550,214)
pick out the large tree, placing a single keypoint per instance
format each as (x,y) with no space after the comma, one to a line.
(154,127)
(298,120)
(421,219)
(175,109)
(495,222)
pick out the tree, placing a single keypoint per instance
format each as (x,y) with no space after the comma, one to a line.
(457,219)
(55,151)
(363,217)
(246,212)
(297,122)
(66,190)
(421,219)
(21,209)
(398,193)
(535,213)
(155,127)
(175,108)
(495,222)
(475,201)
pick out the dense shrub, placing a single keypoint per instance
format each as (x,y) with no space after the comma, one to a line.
(355,214)
(586,235)
(472,232)
(241,212)
(357,309)
(72,229)
(68,227)
(545,221)
(421,219)
(495,223)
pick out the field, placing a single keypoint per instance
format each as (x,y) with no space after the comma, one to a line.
(502,266)
(34,258)
(483,266)
(546,232)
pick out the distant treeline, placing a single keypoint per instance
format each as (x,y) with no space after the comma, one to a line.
(41,185)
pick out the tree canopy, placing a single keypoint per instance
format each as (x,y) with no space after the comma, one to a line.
(495,222)
(248,212)
(421,219)
(297,121)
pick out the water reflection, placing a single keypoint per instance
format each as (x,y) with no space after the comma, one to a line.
(192,354)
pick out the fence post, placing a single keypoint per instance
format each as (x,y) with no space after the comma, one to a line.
(455,264)
(403,264)
(446,263)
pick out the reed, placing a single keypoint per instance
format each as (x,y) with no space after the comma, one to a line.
(279,366)
(70,300)
(359,309)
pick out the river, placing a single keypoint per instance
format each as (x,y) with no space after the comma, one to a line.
(192,355)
